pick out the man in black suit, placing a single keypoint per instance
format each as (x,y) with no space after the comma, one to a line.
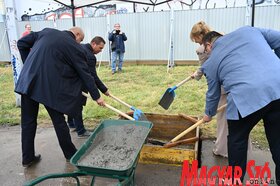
(94,47)
(53,73)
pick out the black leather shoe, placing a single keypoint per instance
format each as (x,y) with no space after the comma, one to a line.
(36,159)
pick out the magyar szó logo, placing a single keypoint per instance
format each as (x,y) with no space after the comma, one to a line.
(225,175)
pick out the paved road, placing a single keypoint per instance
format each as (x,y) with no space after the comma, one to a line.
(12,173)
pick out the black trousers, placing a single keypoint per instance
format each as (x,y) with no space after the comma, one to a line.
(77,121)
(239,131)
(29,113)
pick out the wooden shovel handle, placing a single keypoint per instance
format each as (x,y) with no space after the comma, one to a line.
(199,122)
(120,101)
(119,112)
(180,142)
(188,118)
(112,108)
(86,95)
(187,131)
(184,81)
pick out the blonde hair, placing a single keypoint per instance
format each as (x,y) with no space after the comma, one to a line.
(199,30)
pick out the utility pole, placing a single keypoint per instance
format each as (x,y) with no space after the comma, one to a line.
(109,43)
(13,37)
(171,63)
(250,11)
(253,13)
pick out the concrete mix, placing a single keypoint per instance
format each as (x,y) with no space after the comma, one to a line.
(115,147)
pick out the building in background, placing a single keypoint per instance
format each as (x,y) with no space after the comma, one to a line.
(38,10)
(35,10)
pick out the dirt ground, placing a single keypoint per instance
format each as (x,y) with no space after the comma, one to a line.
(12,172)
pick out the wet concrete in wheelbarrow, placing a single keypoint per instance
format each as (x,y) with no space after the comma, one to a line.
(12,173)
(115,147)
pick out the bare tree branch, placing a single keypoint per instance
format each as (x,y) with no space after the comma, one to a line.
(192,2)
(182,5)
(168,5)
(146,10)
(206,5)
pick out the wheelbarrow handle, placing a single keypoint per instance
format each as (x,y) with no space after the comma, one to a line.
(121,101)
(112,108)
(184,81)
(199,122)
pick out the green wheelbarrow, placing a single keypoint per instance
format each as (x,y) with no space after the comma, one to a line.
(112,151)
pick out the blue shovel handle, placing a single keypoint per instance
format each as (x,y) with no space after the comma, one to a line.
(172,89)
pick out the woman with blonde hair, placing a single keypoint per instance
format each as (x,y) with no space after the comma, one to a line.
(199,30)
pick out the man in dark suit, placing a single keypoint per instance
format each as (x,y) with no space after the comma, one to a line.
(53,74)
(94,47)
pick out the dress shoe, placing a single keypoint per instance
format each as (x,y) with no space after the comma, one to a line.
(86,134)
(36,159)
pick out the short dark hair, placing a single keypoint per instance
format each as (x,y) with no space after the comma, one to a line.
(97,40)
(210,37)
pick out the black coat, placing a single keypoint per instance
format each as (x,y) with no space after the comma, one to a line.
(54,70)
(91,59)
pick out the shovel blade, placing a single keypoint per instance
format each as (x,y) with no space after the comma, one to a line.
(167,99)
(139,115)
(142,117)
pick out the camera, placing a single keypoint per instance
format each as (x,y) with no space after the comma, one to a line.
(117,32)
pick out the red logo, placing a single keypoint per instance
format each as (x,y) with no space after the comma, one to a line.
(225,175)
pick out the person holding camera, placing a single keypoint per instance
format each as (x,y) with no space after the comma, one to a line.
(117,38)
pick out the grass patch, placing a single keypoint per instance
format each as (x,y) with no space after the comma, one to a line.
(140,86)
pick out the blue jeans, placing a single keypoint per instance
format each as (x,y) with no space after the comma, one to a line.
(115,56)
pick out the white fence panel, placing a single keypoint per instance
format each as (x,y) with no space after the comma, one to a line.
(148,33)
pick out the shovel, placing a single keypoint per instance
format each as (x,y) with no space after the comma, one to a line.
(168,145)
(113,109)
(199,122)
(169,94)
(137,114)
(188,118)
(181,142)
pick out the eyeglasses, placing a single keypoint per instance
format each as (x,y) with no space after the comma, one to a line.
(205,46)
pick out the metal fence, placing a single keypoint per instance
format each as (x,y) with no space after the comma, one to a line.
(4,44)
(148,33)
